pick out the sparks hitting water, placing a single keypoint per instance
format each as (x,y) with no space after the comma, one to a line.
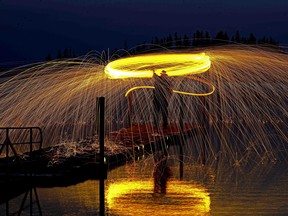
(251,94)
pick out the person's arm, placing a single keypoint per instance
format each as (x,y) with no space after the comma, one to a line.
(155,76)
(170,84)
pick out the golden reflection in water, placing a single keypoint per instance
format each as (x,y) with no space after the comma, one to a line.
(137,198)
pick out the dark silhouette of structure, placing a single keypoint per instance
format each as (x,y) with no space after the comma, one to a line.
(161,174)
(162,95)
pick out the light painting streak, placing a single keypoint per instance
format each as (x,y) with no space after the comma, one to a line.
(212,89)
(175,64)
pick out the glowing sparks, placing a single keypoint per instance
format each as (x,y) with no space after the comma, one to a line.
(175,64)
(186,198)
(251,92)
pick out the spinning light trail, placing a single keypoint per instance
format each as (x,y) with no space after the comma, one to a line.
(175,64)
(212,88)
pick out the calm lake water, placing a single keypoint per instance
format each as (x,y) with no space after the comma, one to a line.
(218,188)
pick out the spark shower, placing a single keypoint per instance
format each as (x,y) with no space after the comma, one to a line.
(247,111)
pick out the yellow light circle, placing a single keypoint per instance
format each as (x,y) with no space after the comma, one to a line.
(142,66)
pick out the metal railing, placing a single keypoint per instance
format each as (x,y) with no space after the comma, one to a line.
(19,136)
(10,137)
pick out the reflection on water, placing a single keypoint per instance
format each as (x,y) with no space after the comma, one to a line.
(214,189)
(75,200)
(135,197)
(217,188)
(205,190)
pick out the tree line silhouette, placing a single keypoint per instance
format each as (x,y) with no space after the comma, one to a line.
(177,41)
(203,38)
(62,54)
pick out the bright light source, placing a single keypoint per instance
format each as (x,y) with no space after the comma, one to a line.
(142,66)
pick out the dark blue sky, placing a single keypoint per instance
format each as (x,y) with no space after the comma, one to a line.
(30,29)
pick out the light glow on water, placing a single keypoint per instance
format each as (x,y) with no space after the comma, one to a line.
(135,198)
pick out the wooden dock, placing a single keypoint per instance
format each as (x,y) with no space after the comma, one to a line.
(38,170)
(132,139)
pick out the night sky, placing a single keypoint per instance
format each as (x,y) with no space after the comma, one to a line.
(30,29)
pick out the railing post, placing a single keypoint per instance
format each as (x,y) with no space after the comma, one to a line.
(7,140)
(41,138)
(130,98)
(181,158)
(102,165)
(203,121)
(31,140)
(6,143)
(181,114)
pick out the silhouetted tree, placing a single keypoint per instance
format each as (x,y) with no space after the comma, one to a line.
(197,37)
(222,37)
(169,41)
(176,40)
(156,40)
(175,36)
(73,54)
(252,39)
(262,40)
(144,46)
(237,37)
(48,57)
(244,40)
(203,40)
(70,54)
(59,55)
(207,39)
(125,45)
(65,53)
(272,41)
(226,37)
(178,43)
(186,41)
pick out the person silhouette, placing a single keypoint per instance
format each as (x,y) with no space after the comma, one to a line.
(161,174)
(162,94)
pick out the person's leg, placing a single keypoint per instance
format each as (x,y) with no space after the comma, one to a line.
(165,114)
(163,185)
(156,113)
(157,183)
